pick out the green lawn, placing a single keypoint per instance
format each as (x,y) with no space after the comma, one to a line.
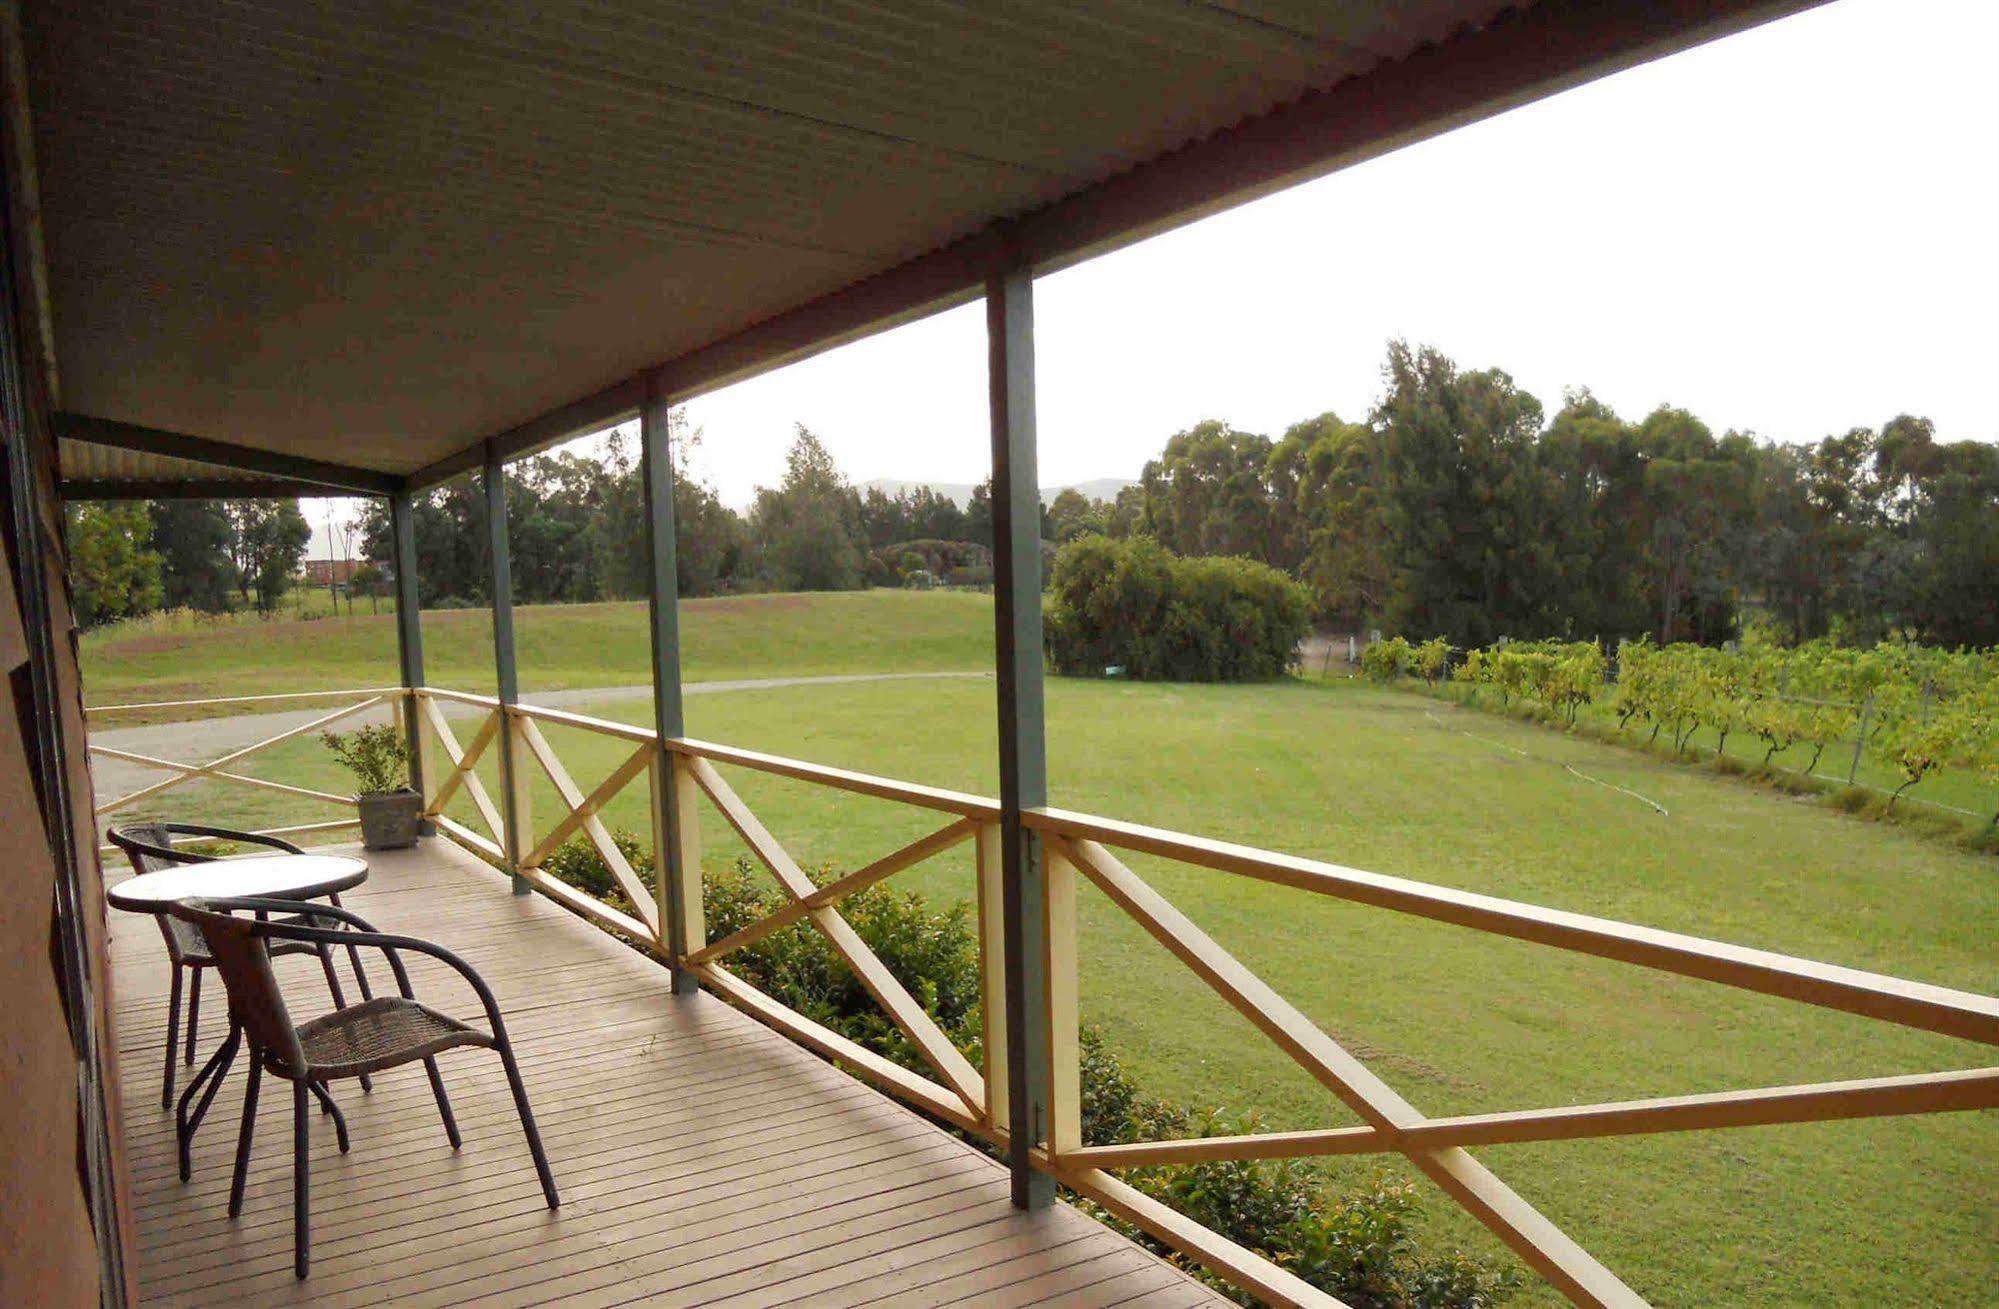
(1897,1211)
(183,657)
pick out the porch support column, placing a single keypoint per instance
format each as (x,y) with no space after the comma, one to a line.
(1022,757)
(501,572)
(409,632)
(679,886)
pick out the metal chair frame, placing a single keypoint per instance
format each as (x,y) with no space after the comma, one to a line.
(149,846)
(260,1018)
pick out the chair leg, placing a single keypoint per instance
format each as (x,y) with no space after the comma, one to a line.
(354,957)
(520,1091)
(244,1136)
(327,1106)
(332,978)
(443,1101)
(193,1012)
(205,1084)
(339,998)
(360,974)
(301,1185)
(173,1040)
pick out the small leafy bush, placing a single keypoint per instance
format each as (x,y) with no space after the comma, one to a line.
(934,953)
(1384,661)
(1358,1246)
(578,863)
(1430,659)
(374,755)
(1134,604)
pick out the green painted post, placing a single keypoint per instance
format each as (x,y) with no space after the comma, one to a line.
(409,631)
(500,570)
(663,607)
(1022,751)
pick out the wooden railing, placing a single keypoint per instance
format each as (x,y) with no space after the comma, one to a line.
(1079,843)
(221,769)
(954,1091)
(684,775)
(1082,845)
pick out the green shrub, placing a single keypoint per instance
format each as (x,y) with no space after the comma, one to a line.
(1135,605)
(1358,1246)
(934,953)
(1384,661)
(1429,660)
(578,863)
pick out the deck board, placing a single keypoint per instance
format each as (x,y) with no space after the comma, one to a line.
(703,1159)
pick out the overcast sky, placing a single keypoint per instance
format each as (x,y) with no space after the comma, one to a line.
(1792,231)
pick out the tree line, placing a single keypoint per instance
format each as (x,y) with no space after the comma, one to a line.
(128,558)
(1458,508)
(577,531)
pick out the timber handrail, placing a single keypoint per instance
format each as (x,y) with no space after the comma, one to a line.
(461,697)
(604,726)
(241,699)
(1874,995)
(842,779)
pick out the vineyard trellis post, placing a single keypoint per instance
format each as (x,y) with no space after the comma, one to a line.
(1860,738)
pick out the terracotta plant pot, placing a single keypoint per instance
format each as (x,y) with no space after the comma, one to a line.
(389,820)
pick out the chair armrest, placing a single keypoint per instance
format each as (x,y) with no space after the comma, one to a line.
(278,905)
(231,834)
(360,933)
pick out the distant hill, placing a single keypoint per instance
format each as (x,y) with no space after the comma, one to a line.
(960,493)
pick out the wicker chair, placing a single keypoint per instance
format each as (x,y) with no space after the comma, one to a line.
(380,1034)
(149,845)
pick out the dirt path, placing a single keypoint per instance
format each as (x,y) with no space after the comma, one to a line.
(210,738)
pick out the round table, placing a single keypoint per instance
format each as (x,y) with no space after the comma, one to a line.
(278,876)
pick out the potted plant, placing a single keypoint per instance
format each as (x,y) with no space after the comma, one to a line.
(390,810)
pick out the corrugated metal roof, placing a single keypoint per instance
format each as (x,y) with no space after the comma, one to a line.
(87,462)
(377,232)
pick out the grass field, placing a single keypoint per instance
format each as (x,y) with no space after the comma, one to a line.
(185,657)
(1897,1211)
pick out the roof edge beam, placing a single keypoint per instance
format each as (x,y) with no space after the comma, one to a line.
(214,488)
(925,285)
(943,279)
(606,408)
(1525,54)
(199,449)
(1522,56)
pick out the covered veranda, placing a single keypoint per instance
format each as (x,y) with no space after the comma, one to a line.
(257,251)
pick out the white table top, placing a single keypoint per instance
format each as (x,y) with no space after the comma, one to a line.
(283,876)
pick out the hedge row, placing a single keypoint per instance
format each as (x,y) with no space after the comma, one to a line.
(1135,606)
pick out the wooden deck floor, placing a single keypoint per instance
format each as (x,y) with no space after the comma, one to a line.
(703,1159)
